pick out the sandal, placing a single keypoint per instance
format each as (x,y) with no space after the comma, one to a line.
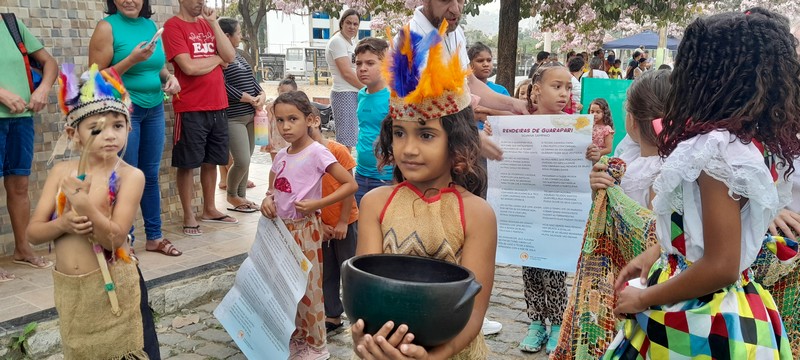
(6,276)
(330,327)
(243,208)
(537,336)
(192,230)
(222,220)
(38,262)
(165,247)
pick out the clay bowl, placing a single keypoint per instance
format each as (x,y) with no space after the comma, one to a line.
(434,298)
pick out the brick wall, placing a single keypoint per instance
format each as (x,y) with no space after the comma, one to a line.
(65,27)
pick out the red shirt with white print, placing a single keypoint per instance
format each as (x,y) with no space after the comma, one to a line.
(198,93)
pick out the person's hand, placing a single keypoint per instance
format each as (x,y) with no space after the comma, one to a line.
(638,267)
(76,190)
(75,224)
(327,232)
(261,99)
(209,14)
(520,107)
(12,101)
(268,207)
(487,128)
(172,86)
(578,107)
(629,301)
(592,153)
(248,99)
(142,52)
(38,99)
(379,346)
(306,206)
(787,222)
(599,177)
(489,149)
(340,231)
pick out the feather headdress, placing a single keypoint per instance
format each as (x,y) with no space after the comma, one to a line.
(424,84)
(96,92)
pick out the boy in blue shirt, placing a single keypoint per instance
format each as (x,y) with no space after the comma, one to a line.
(480,60)
(373,107)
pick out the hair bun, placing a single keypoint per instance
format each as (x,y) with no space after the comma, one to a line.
(290,77)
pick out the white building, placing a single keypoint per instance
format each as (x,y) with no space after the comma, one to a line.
(302,38)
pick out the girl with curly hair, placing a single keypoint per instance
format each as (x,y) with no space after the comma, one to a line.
(729,138)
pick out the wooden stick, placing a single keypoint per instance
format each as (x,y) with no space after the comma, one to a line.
(98,250)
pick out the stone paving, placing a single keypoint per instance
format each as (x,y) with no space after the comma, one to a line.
(206,339)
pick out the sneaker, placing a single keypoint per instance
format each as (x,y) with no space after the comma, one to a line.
(491,327)
(537,336)
(552,342)
(312,353)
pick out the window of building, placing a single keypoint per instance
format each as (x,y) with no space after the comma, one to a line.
(364,33)
(320,15)
(366,18)
(321,33)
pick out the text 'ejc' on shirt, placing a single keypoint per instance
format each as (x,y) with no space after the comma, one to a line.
(198,93)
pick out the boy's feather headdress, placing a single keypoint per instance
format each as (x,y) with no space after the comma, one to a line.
(96,92)
(424,84)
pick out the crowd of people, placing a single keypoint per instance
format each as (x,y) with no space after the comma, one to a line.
(714,166)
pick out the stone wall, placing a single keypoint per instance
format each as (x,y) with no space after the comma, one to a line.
(65,27)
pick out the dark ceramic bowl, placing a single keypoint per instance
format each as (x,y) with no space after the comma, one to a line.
(434,298)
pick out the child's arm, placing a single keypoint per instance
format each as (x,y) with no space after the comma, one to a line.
(268,208)
(480,245)
(348,188)
(40,228)
(111,233)
(609,142)
(719,266)
(370,238)
(340,230)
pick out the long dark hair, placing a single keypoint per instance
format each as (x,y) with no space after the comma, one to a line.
(603,105)
(463,145)
(645,102)
(752,89)
(146,12)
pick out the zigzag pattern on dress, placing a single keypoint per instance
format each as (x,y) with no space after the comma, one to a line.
(413,245)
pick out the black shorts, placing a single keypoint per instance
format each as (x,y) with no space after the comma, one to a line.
(201,137)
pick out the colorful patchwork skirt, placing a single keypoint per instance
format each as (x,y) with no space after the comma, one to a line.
(740,321)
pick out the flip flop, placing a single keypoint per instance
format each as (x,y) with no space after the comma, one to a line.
(329,326)
(38,262)
(221,220)
(243,208)
(6,276)
(165,247)
(192,230)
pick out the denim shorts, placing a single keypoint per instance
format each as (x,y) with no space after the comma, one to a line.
(16,146)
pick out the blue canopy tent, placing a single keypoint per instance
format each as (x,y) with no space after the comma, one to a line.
(648,39)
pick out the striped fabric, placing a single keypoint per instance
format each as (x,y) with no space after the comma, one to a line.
(239,79)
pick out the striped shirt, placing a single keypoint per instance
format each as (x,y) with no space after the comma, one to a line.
(239,79)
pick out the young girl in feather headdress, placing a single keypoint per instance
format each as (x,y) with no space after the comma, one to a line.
(431,138)
(88,215)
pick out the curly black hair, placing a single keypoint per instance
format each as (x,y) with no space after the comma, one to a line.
(751,88)
(603,104)
(463,144)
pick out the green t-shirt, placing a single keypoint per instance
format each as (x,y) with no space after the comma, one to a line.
(15,77)
(142,80)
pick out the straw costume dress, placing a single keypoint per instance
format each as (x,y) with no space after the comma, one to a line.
(741,320)
(89,328)
(432,227)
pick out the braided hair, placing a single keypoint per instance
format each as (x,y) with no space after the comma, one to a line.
(751,89)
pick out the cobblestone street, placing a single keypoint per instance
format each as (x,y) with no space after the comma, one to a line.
(196,334)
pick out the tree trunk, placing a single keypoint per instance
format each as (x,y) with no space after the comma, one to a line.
(507,43)
(250,27)
(661,52)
